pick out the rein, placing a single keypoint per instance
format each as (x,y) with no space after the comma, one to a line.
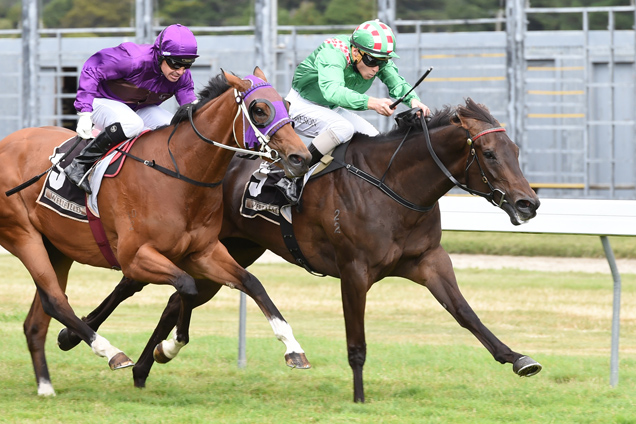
(379,183)
(263,139)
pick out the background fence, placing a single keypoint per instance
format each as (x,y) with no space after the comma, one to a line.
(566,97)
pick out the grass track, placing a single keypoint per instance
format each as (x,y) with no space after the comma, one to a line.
(421,366)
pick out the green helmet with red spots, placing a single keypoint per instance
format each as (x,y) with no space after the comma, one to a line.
(375,38)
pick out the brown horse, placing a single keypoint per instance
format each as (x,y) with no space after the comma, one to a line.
(162,229)
(349,230)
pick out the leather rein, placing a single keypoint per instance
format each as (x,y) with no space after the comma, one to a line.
(472,158)
(239,97)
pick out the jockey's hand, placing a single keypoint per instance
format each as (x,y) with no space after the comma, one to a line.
(84,125)
(381,106)
(418,104)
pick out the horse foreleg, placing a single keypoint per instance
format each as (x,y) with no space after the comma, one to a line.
(438,276)
(168,320)
(219,266)
(294,354)
(66,339)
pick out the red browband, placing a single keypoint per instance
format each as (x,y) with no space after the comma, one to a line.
(488,131)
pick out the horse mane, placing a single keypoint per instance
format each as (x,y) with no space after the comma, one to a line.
(444,117)
(217,85)
(476,111)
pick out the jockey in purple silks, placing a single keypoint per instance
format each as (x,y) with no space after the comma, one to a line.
(121,88)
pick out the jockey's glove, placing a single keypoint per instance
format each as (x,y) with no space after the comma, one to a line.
(84,125)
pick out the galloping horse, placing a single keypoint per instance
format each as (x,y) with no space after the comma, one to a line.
(349,230)
(162,229)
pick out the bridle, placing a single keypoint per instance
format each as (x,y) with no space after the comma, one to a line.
(472,158)
(270,127)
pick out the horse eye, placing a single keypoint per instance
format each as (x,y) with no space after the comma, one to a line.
(489,155)
(261,112)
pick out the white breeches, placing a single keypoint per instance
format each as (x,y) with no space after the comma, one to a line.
(311,119)
(106,112)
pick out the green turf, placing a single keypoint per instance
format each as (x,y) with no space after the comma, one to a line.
(422,367)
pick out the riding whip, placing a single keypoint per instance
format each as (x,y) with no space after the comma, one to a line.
(37,177)
(398,101)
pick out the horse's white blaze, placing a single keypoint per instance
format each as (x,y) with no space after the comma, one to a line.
(102,347)
(172,347)
(284,333)
(45,388)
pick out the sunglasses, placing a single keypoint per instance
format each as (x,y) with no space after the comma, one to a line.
(178,64)
(372,61)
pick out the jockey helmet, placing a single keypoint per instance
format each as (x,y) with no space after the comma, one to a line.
(178,43)
(376,39)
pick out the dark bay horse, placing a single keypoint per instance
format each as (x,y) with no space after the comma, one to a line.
(162,229)
(353,231)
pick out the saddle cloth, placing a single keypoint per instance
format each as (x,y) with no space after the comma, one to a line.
(65,198)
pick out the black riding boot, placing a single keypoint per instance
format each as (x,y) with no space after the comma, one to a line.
(76,171)
(315,155)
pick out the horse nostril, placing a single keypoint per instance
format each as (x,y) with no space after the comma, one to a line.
(297,160)
(526,205)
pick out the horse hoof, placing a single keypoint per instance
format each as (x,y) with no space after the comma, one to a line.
(159,356)
(139,378)
(67,340)
(297,360)
(526,367)
(120,361)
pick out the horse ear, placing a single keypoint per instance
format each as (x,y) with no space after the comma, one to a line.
(456,118)
(258,73)
(236,82)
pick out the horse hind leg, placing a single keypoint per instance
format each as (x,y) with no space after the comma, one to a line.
(54,303)
(36,326)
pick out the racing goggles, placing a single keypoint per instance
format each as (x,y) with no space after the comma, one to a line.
(178,63)
(372,61)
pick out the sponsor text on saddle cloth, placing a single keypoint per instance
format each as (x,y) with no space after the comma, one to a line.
(263,197)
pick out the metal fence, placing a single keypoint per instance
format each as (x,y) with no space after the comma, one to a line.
(567,97)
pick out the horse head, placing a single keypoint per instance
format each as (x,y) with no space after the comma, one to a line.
(492,167)
(266,124)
